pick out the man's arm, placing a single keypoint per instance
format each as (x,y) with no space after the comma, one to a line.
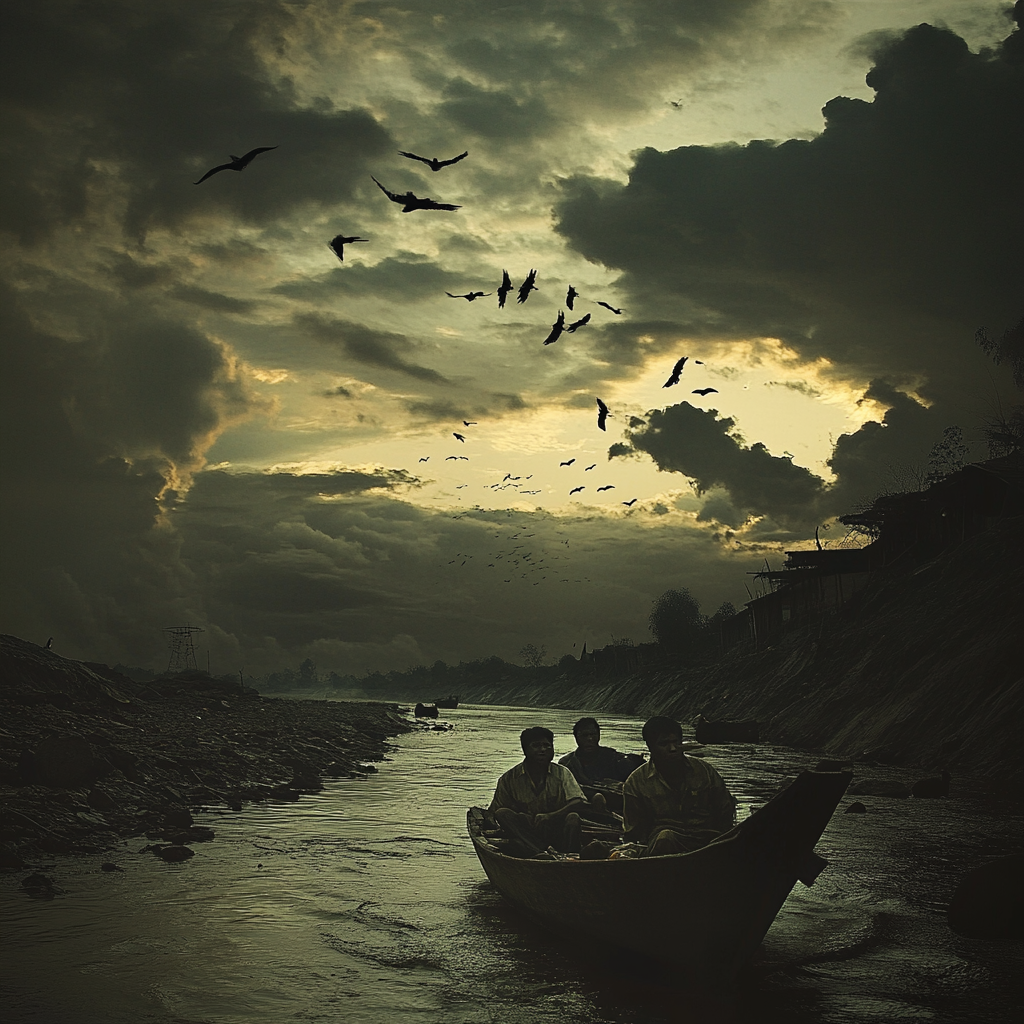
(573,805)
(502,796)
(637,820)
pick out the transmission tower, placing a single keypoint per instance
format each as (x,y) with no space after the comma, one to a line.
(183,652)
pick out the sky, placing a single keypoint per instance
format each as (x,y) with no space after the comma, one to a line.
(208,418)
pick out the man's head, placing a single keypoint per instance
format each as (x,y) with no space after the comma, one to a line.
(538,743)
(664,738)
(587,733)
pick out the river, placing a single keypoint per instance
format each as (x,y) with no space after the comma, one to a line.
(366,904)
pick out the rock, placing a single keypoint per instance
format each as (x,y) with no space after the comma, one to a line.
(989,901)
(725,731)
(174,853)
(856,808)
(925,789)
(177,817)
(284,793)
(100,800)
(40,887)
(879,787)
(65,762)
(108,866)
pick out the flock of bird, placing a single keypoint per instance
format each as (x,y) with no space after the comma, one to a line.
(411,202)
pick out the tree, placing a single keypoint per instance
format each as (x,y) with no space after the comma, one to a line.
(948,455)
(533,656)
(676,622)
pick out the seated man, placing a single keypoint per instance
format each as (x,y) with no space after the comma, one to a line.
(674,803)
(536,802)
(590,762)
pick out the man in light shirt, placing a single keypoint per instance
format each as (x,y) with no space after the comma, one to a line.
(536,802)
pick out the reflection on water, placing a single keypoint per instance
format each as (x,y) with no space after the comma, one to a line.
(366,903)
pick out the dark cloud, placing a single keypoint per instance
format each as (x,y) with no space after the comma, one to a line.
(212,300)
(707,449)
(138,101)
(493,114)
(406,277)
(872,244)
(374,348)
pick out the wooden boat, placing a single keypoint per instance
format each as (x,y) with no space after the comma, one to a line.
(448,703)
(705,912)
(426,711)
(726,731)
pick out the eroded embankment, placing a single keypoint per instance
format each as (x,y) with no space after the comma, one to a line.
(88,757)
(923,667)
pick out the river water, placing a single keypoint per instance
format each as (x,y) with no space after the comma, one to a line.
(366,904)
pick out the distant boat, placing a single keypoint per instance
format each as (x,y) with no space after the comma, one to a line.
(705,912)
(426,711)
(449,702)
(726,731)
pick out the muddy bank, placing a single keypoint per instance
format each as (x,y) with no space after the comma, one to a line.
(922,668)
(88,757)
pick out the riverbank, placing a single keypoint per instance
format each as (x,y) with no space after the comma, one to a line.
(88,757)
(922,668)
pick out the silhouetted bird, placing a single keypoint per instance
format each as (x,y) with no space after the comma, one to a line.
(573,327)
(556,329)
(570,296)
(677,371)
(602,413)
(931,787)
(606,306)
(433,163)
(575,490)
(704,391)
(410,202)
(699,362)
(427,459)
(338,242)
(469,296)
(569,463)
(607,487)
(448,458)
(467,423)
(504,288)
(459,437)
(630,503)
(527,286)
(238,163)
(586,469)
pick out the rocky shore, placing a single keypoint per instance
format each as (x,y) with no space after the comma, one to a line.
(88,757)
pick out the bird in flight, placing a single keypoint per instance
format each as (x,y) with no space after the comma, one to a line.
(459,437)
(607,487)
(569,463)
(630,503)
(504,288)
(573,327)
(238,163)
(433,163)
(410,202)
(468,423)
(570,296)
(469,296)
(427,459)
(602,413)
(606,306)
(586,469)
(527,286)
(704,391)
(449,458)
(676,372)
(575,490)
(699,362)
(556,329)
(338,242)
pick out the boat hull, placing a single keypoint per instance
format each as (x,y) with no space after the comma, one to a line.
(707,911)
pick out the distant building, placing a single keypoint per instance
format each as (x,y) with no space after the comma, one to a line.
(904,528)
